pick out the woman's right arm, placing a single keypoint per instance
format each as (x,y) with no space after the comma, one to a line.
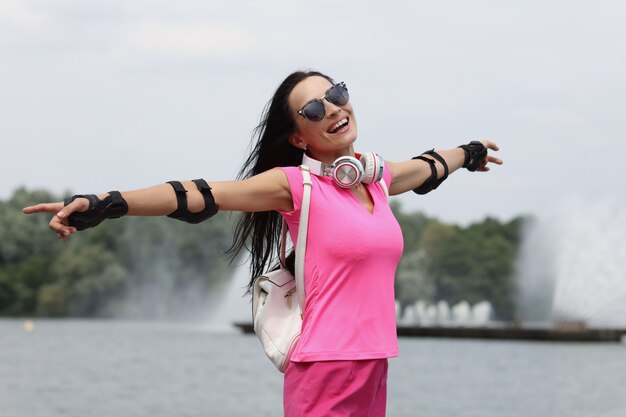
(264,192)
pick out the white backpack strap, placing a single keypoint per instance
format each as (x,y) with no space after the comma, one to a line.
(283,242)
(302,234)
(385,189)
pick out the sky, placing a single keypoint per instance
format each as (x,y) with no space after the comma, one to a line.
(123,94)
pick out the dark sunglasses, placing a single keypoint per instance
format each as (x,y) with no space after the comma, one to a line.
(314,110)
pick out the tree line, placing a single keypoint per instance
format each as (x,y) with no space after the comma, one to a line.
(163,268)
(445,262)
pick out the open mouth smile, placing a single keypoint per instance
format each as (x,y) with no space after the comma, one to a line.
(339,127)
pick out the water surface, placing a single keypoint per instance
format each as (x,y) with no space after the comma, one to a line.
(74,368)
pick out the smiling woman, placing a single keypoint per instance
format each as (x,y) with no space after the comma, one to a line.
(338,366)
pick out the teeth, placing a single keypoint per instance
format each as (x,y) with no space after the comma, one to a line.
(337,125)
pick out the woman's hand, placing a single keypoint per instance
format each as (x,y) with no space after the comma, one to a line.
(59,222)
(489,145)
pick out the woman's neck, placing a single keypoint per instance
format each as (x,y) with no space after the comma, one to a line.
(330,157)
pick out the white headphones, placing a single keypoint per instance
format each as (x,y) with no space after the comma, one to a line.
(348,171)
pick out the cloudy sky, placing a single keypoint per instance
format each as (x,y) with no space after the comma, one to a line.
(120,94)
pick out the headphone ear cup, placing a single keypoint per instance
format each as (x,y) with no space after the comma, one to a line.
(348,171)
(373,167)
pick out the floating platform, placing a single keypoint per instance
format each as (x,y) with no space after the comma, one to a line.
(547,334)
(516,333)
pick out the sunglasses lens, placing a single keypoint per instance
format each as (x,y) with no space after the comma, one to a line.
(338,94)
(314,111)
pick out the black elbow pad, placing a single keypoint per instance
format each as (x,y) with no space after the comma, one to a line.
(182,213)
(432,182)
(426,187)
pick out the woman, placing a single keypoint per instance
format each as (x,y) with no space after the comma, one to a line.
(339,366)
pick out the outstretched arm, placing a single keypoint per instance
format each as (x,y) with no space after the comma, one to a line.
(409,175)
(266,191)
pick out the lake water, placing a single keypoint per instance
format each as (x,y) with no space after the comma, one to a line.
(74,368)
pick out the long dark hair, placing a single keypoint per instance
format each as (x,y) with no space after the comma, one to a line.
(259,233)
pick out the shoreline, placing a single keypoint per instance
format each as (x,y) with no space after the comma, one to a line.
(500,333)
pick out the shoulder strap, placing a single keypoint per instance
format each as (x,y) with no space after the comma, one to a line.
(385,189)
(302,235)
(283,243)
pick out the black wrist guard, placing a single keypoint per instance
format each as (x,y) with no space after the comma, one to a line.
(432,182)
(475,154)
(112,207)
(182,213)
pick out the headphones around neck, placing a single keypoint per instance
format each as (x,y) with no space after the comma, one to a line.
(348,171)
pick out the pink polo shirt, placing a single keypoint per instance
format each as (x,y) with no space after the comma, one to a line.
(350,266)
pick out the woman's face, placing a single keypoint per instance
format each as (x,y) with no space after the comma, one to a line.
(323,139)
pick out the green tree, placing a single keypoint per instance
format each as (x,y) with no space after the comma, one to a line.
(452,263)
(139,267)
(412,282)
(86,281)
(412,224)
(27,249)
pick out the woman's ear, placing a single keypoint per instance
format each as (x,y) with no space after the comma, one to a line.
(297,141)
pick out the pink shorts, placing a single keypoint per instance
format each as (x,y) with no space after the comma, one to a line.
(336,388)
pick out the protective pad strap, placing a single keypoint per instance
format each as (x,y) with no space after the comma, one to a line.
(111,207)
(181,200)
(117,207)
(182,213)
(443,162)
(210,208)
(432,182)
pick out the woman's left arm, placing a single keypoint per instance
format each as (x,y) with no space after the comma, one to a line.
(412,174)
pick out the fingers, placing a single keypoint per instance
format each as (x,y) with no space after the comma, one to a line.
(490,145)
(490,159)
(80,204)
(494,160)
(61,227)
(59,223)
(43,208)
